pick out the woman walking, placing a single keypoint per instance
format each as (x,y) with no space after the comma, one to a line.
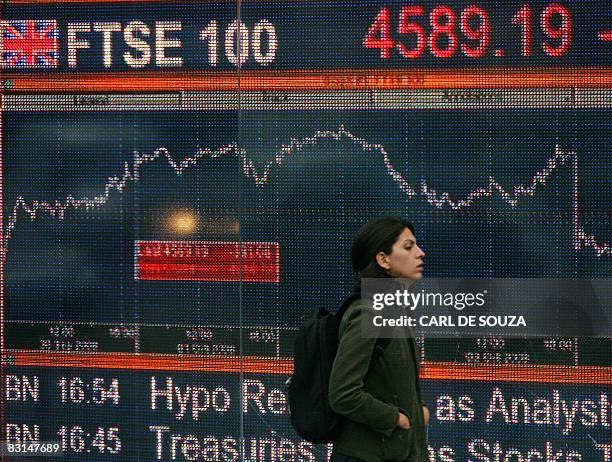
(385,417)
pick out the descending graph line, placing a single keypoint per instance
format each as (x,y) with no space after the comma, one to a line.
(131,173)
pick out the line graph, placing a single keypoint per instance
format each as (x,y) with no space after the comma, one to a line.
(260,175)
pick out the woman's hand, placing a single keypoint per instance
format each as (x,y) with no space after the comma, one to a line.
(426,415)
(403,421)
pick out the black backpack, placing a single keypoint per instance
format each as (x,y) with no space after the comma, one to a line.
(314,351)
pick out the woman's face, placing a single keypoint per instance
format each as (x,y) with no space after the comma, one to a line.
(405,259)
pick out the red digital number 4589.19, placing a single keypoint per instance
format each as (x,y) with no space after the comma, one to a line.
(469,32)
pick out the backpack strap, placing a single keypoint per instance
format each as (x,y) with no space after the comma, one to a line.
(346,303)
(381,343)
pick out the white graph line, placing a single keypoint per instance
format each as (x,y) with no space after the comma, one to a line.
(131,173)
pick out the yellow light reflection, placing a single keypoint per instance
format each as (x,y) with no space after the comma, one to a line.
(183,222)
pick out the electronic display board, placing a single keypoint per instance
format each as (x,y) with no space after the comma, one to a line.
(181,183)
(272,35)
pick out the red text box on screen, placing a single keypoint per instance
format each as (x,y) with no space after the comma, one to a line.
(207,261)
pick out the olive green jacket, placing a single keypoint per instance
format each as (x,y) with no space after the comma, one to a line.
(371,397)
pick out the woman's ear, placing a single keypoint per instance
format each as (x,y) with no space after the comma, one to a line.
(383,260)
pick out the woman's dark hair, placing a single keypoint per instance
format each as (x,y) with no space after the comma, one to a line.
(375,236)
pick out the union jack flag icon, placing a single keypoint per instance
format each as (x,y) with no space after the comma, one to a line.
(30,43)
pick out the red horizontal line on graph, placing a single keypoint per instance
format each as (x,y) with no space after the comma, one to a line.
(606,36)
(150,361)
(340,79)
(152,1)
(594,375)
